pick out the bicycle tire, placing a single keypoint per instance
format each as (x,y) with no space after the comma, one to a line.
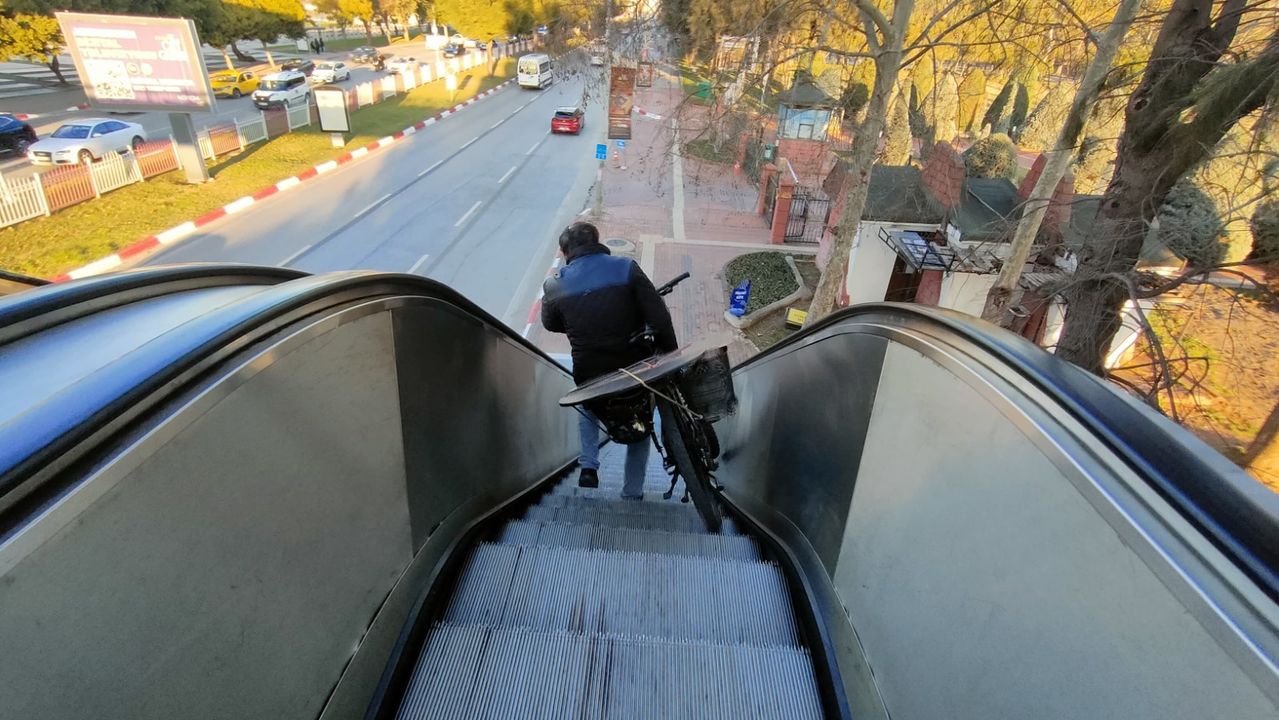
(677,429)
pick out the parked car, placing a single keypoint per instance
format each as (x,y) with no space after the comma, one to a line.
(302,65)
(399,65)
(364,54)
(454,50)
(569,119)
(86,140)
(282,89)
(15,135)
(234,83)
(329,71)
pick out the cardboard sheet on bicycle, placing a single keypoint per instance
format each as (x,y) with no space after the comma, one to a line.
(651,370)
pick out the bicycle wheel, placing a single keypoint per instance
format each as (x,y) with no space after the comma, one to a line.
(679,434)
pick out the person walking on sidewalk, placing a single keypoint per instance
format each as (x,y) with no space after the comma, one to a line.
(602,302)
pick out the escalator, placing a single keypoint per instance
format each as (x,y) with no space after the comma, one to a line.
(247,492)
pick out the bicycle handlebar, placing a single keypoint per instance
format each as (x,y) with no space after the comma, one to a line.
(668,287)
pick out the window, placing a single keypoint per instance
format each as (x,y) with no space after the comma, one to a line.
(74,132)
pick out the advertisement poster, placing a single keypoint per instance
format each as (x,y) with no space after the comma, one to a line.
(138,63)
(621,99)
(645,76)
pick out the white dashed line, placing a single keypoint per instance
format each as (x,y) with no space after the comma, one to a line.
(508,174)
(494,125)
(295,255)
(468,143)
(535,145)
(372,205)
(437,164)
(417,265)
(464,218)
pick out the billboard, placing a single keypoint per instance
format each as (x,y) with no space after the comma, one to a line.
(621,98)
(138,63)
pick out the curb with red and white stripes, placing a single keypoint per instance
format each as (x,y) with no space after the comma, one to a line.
(536,309)
(73,108)
(179,232)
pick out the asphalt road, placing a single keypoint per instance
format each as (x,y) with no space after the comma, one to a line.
(226,109)
(475,201)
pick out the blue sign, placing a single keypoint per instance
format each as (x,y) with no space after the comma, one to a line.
(741,295)
(621,143)
(601,152)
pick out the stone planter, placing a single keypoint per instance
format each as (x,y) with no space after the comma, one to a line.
(803,293)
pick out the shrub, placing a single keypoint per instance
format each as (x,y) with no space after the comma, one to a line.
(1021,104)
(995,112)
(770,275)
(994,156)
(1265,232)
(1190,225)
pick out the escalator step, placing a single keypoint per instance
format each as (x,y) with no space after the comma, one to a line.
(649,506)
(636,519)
(592,537)
(483,672)
(625,593)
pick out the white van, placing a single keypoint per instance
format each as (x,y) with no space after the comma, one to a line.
(286,89)
(534,71)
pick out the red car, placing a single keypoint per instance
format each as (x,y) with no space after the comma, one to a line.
(568,120)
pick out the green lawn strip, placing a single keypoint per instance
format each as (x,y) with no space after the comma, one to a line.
(343,44)
(704,149)
(83,233)
(772,329)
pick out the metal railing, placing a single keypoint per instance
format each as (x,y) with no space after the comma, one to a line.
(114,171)
(299,116)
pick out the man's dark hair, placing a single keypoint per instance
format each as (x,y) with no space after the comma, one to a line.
(577,235)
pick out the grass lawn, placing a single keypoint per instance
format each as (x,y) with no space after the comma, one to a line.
(344,44)
(83,233)
(691,75)
(772,329)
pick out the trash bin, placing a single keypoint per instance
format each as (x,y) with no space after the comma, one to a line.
(703,90)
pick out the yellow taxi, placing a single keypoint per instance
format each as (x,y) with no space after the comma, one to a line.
(233,83)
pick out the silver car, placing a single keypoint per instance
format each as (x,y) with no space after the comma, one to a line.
(83,141)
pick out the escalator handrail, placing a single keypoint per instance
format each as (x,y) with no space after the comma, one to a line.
(29,312)
(1237,514)
(158,368)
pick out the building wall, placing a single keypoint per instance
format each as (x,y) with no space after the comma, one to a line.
(870,262)
(965,292)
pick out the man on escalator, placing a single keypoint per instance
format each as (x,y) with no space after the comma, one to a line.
(603,303)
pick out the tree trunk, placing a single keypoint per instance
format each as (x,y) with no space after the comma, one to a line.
(269,60)
(404,23)
(1172,121)
(56,67)
(368,31)
(862,157)
(1262,456)
(239,54)
(1006,292)
(226,56)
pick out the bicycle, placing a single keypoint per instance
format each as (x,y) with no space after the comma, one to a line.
(691,389)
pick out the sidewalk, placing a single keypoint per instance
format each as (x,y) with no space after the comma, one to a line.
(675,215)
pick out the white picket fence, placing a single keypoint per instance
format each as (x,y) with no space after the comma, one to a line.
(21,199)
(252,129)
(114,171)
(299,116)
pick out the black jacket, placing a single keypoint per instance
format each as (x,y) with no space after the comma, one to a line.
(601,302)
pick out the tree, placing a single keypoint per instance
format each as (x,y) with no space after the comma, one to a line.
(1189,224)
(480,18)
(345,11)
(897,135)
(1195,87)
(945,108)
(34,37)
(402,9)
(1021,103)
(995,113)
(972,94)
(888,45)
(1045,121)
(1003,293)
(994,156)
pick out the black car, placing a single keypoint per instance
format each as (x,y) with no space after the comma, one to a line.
(15,135)
(454,50)
(364,54)
(304,66)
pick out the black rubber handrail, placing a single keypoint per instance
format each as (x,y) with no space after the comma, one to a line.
(38,309)
(158,368)
(1232,510)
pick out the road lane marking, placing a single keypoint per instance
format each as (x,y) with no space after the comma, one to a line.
(428,170)
(539,142)
(494,125)
(508,174)
(418,264)
(296,255)
(373,204)
(677,183)
(466,216)
(468,143)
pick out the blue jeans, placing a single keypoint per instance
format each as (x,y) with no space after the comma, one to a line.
(636,456)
